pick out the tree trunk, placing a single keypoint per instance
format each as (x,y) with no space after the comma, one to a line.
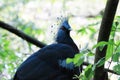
(104,34)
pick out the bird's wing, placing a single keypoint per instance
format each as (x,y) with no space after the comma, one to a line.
(49,61)
(56,55)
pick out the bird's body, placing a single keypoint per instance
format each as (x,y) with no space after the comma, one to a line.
(49,63)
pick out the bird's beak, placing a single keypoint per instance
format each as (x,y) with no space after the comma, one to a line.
(70,29)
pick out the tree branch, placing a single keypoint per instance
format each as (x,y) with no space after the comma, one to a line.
(21,34)
(105,69)
(104,34)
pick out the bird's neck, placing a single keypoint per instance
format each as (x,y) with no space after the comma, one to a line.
(64,38)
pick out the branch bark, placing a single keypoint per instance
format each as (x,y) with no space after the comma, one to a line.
(21,34)
(104,34)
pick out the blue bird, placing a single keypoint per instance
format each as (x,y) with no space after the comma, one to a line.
(49,63)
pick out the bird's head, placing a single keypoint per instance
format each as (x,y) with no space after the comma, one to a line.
(63,35)
(65,25)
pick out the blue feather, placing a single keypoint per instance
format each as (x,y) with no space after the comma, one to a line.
(63,64)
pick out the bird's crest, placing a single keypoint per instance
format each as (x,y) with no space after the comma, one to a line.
(64,23)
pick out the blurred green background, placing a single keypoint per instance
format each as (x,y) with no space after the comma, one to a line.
(40,19)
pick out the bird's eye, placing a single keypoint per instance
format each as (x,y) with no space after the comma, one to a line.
(63,28)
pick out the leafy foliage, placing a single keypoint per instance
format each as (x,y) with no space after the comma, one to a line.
(7,57)
(101,45)
(113,53)
(117,68)
(78,60)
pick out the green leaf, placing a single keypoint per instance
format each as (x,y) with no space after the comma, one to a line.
(78,59)
(92,29)
(117,44)
(3,54)
(88,72)
(100,45)
(69,60)
(38,31)
(94,66)
(116,57)
(90,54)
(116,23)
(110,49)
(100,62)
(116,68)
(1,67)
(27,30)
(82,31)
